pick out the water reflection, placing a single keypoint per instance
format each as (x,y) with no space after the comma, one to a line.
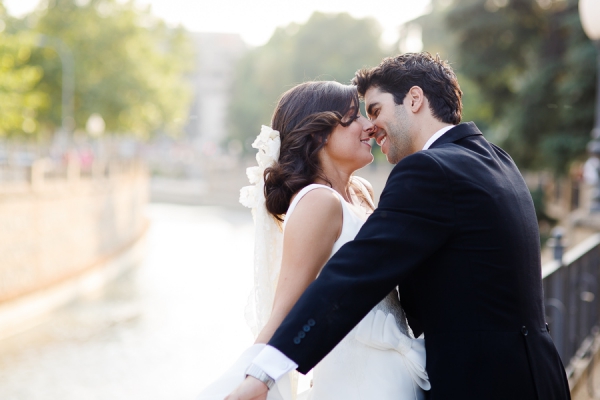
(162,331)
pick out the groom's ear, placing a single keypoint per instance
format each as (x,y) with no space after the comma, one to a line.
(416,99)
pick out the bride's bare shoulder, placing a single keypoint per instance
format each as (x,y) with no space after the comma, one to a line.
(318,206)
(319,198)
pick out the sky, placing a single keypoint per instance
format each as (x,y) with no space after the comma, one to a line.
(256,20)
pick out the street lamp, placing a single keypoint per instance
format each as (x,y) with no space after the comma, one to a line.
(589,12)
(95,125)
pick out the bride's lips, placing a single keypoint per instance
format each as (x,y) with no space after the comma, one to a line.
(366,141)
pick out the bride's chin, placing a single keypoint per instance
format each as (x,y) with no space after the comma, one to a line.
(364,164)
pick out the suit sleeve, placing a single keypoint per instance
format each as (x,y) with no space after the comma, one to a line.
(413,220)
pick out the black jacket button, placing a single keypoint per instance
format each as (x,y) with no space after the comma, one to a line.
(524,330)
(297,340)
(311,322)
(306,328)
(301,334)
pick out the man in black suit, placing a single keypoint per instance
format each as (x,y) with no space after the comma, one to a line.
(456,231)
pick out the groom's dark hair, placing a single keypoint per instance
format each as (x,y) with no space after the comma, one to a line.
(396,75)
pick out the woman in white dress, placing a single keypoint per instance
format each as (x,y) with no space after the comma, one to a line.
(310,190)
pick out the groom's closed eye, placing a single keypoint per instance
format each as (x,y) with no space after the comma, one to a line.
(373,111)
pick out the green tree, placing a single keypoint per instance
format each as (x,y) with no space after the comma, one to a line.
(436,39)
(533,63)
(19,100)
(129,67)
(326,47)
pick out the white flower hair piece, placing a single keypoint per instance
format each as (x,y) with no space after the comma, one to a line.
(268,144)
(268,235)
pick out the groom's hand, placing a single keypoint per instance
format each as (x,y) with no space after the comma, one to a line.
(250,389)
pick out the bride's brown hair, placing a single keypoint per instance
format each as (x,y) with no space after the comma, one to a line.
(305,116)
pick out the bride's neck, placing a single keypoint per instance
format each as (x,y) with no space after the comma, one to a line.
(339,181)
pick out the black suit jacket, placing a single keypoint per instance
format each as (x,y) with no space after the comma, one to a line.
(456,231)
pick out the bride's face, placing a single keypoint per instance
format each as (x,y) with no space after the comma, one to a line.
(349,147)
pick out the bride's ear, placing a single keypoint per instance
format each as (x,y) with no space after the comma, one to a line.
(320,138)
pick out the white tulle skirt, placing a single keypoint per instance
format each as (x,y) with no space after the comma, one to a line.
(374,361)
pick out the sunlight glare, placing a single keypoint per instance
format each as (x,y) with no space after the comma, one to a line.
(256,20)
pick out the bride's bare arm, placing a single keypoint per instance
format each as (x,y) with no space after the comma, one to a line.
(310,233)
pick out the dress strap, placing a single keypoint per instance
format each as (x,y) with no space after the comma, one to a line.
(301,194)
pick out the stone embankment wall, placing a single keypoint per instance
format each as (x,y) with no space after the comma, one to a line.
(53,230)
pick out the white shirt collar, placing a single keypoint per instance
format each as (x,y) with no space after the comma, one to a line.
(437,135)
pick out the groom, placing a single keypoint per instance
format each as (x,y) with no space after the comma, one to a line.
(456,231)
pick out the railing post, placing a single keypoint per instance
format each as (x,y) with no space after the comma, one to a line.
(73,168)
(557,243)
(37,173)
(558,300)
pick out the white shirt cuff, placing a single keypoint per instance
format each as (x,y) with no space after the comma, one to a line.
(273,362)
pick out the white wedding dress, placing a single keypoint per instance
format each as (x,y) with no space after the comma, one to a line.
(378,359)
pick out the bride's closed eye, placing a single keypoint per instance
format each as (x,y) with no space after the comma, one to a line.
(350,120)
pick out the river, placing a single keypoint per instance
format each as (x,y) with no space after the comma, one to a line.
(162,331)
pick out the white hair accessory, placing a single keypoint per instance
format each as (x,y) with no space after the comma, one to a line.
(268,144)
(268,237)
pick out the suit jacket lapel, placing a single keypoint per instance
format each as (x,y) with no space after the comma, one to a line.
(457,133)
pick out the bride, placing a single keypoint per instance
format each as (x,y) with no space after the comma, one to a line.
(304,188)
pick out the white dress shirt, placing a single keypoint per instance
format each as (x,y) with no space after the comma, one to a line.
(272,361)
(437,135)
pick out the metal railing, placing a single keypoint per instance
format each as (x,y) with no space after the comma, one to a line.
(27,164)
(572,298)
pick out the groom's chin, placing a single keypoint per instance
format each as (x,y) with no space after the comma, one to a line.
(391,159)
(387,157)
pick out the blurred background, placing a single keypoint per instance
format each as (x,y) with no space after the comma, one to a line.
(125,132)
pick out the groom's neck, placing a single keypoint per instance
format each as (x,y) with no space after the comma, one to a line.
(426,130)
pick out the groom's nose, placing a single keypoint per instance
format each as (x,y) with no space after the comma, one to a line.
(372,131)
(376,133)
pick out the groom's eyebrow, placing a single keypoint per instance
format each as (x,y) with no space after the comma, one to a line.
(370,108)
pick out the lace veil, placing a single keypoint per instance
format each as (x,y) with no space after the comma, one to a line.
(268,235)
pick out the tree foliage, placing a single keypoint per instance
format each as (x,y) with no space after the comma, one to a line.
(19,100)
(129,67)
(535,66)
(326,47)
(437,39)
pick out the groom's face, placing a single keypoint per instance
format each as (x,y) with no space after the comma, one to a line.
(393,124)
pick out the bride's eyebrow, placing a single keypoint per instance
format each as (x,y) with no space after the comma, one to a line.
(351,112)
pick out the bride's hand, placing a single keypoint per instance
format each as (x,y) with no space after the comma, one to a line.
(249,389)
